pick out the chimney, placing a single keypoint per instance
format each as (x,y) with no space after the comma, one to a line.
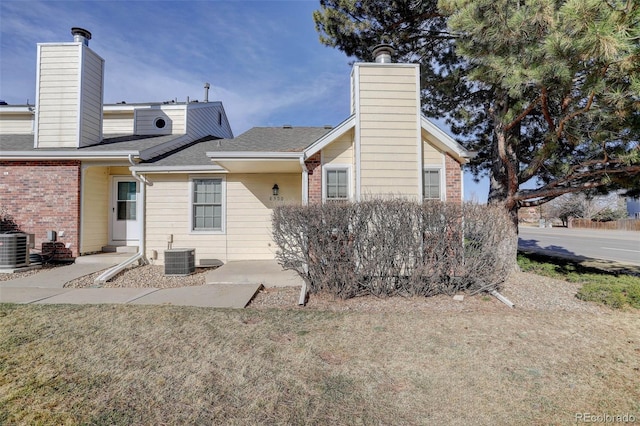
(206,92)
(80,35)
(382,53)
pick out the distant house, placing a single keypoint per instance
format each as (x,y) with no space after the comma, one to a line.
(150,175)
(633,207)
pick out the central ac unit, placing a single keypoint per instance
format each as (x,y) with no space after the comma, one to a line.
(14,252)
(179,261)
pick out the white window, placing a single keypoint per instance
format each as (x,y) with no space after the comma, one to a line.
(432,186)
(207,205)
(336,184)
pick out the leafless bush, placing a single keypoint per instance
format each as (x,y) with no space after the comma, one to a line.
(394,247)
(7,223)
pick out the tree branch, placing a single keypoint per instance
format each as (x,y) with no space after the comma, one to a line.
(522,115)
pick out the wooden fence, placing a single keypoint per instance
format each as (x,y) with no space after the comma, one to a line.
(621,225)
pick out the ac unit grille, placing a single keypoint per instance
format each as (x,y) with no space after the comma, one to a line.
(14,252)
(179,261)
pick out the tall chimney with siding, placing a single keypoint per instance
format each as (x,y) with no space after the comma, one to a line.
(69,93)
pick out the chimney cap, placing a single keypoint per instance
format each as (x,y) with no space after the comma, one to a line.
(382,52)
(81,35)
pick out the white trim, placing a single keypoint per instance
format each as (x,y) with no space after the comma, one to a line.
(330,167)
(357,154)
(256,155)
(420,146)
(71,155)
(448,144)
(305,183)
(330,137)
(223,220)
(36,116)
(112,205)
(178,169)
(441,175)
(81,57)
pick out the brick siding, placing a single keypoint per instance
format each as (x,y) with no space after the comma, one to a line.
(453,179)
(43,196)
(313,164)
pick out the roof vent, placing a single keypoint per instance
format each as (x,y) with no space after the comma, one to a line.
(328,126)
(382,53)
(207,86)
(287,126)
(80,35)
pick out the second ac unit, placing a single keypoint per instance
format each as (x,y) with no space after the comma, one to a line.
(179,261)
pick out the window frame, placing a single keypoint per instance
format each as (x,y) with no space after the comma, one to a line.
(441,187)
(223,205)
(336,167)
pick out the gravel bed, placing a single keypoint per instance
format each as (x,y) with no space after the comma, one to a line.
(526,290)
(143,277)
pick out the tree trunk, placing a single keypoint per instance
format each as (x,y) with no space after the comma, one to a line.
(503,183)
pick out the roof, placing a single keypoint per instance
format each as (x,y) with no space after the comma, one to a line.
(24,143)
(273,139)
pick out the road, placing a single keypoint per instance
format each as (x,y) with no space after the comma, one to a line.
(617,246)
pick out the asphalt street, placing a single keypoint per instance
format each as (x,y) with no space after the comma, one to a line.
(618,246)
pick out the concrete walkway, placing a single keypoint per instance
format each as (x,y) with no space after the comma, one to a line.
(233,285)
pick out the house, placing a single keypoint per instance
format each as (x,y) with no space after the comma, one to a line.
(633,207)
(162,175)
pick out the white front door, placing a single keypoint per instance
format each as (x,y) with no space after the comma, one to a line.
(125,211)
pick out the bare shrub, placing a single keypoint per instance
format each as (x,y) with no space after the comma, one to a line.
(394,247)
(7,223)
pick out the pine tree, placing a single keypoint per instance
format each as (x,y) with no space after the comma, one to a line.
(546,91)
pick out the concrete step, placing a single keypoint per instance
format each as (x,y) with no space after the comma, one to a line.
(119,249)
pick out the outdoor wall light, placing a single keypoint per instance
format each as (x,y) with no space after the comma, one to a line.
(276,190)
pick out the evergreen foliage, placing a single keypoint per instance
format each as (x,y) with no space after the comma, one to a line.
(545,91)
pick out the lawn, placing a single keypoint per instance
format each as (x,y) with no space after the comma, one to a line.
(617,290)
(121,365)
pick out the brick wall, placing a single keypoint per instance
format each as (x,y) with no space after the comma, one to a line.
(453,179)
(43,196)
(313,164)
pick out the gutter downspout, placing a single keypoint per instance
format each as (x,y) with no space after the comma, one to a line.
(140,255)
(305,201)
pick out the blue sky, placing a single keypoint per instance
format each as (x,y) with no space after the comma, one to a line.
(263,59)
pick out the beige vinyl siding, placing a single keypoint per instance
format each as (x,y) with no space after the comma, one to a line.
(174,117)
(247,210)
(95,209)
(57,97)
(430,155)
(16,124)
(91,100)
(203,121)
(118,123)
(340,151)
(389,150)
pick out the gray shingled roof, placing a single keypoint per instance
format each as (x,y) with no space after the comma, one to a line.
(273,139)
(259,139)
(109,143)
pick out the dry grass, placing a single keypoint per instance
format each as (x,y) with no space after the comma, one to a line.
(116,364)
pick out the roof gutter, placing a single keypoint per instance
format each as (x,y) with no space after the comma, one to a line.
(177,169)
(254,155)
(47,155)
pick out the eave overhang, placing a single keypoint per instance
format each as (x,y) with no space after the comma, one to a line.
(64,155)
(258,162)
(334,134)
(445,143)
